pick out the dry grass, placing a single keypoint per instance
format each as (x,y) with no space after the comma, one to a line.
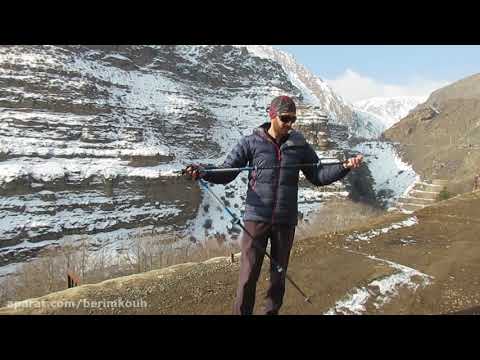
(48,273)
(337,215)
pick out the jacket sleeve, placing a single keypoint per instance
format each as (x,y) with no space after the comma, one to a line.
(322,175)
(240,156)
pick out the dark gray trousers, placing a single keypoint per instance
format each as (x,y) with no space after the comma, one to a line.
(251,260)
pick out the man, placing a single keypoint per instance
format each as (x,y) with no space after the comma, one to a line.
(271,210)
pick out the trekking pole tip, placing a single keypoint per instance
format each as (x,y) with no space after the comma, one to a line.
(307,299)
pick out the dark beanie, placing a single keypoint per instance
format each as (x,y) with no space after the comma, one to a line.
(280,105)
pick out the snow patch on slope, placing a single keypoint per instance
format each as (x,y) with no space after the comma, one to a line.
(390,173)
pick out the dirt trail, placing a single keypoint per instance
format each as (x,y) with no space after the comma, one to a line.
(427,262)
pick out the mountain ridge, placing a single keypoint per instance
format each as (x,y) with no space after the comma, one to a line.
(440,137)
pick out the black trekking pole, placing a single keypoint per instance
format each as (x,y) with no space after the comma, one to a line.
(251,168)
(237,221)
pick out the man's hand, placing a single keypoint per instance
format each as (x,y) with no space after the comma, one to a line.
(194,171)
(353,163)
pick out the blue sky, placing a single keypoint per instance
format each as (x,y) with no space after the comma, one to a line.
(362,71)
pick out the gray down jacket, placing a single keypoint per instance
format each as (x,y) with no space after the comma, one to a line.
(272,195)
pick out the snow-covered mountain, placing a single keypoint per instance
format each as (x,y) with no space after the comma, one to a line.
(315,91)
(391,109)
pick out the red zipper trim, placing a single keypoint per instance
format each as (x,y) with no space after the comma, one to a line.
(279,158)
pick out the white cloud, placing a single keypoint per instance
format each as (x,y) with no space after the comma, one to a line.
(353,86)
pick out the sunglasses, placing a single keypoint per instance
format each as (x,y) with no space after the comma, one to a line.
(287,118)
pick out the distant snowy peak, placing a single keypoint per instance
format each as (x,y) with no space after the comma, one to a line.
(392,109)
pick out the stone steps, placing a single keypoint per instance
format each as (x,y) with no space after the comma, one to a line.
(440,182)
(410,207)
(421,195)
(415,200)
(428,187)
(424,194)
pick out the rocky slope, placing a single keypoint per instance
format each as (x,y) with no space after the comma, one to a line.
(422,263)
(441,138)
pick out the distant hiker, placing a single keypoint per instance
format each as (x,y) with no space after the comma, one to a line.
(476,182)
(271,210)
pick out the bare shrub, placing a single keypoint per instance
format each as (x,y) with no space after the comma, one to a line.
(48,272)
(40,277)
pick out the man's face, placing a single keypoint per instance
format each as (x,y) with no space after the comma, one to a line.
(282,123)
